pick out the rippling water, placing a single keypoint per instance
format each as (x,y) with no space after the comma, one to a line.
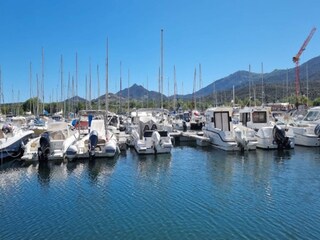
(194,193)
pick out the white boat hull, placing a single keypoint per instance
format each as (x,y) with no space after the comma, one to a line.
(304,136)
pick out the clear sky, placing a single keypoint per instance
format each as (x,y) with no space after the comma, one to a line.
(223,36)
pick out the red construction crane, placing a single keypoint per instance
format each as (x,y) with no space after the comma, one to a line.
(296,59)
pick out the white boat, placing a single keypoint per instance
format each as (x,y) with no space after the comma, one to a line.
(98,143)
(152,142)
(223,134)
(305,129)
(275,137)
(269,135)
(196,120)
(54,143)
(181,121)
(150,135)
(12,141)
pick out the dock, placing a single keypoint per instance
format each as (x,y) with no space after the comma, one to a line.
(191,136)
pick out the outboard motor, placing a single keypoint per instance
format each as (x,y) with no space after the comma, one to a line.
(317,130)
(44,149)
(184,125)
(93,142)
(279,136)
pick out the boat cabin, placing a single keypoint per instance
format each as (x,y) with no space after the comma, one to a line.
(218,118)
(255,117)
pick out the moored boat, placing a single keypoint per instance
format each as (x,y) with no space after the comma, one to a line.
(223,134)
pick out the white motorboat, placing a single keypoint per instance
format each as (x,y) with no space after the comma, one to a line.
(98,143)
(275,137)
(54,143)
(152,142)
(150,135)
(196,120)
(305,130)
(269,134)
(12,141)
(224,134)
(181,121)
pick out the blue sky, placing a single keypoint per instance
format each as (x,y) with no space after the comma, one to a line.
(222,36)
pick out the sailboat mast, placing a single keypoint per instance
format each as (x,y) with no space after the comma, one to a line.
(307,73)
(72,93)
(249,79)
(200,82)
(30,78)
(161,72)
(148,92)
(128,91)
(69,93)
(262,85)
(42,80)
(77,78)
(287,84)
(86,92)
(159,83)
(174,88)
(120,87)
(37,96)
(194,88)
(90,107)
(98,79)
(107,80)
(0,89)
(61,80)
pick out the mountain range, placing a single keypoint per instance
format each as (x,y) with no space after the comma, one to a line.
(276,84)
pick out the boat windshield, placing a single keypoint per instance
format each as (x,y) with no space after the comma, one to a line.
(259,117)
(312,116)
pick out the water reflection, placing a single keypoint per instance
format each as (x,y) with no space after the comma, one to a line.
(283,154)
(44,173)
(153,165)
(100,167)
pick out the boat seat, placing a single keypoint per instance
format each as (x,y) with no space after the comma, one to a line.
(57,136)
(101,141)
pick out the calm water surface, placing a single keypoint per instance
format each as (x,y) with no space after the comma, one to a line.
(194,193)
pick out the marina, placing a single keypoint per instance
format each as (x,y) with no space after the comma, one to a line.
(166,120)
(194,192)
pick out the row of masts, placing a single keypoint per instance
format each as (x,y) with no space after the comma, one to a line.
(72,89)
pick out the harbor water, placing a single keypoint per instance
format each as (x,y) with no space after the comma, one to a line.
(192,193)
